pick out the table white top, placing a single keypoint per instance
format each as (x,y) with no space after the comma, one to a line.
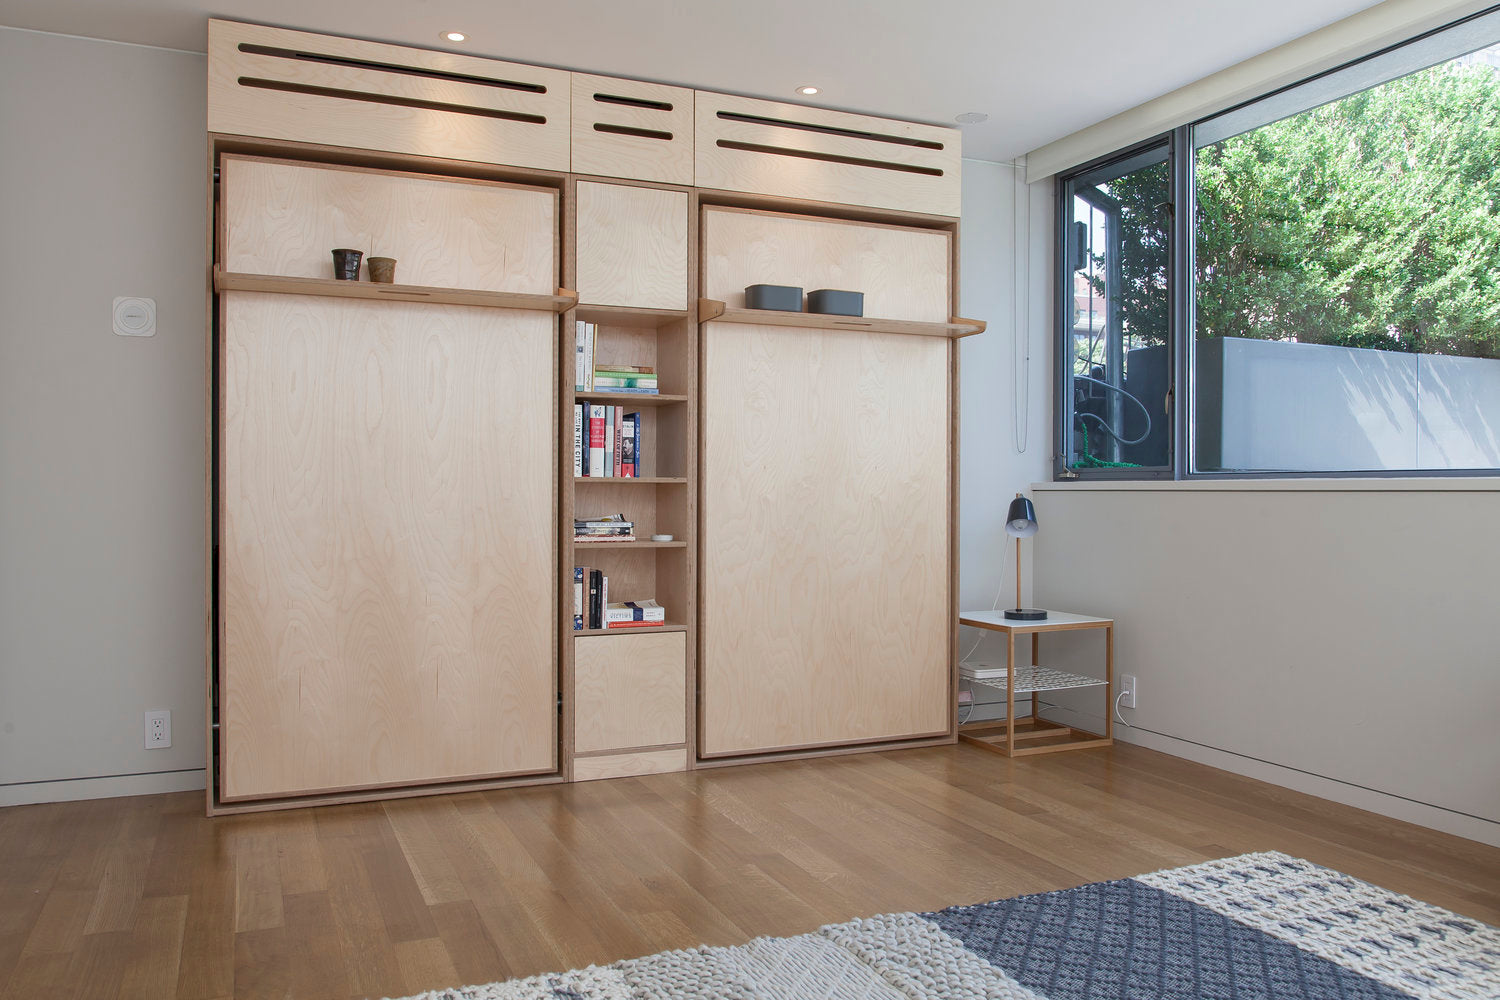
(1054,620)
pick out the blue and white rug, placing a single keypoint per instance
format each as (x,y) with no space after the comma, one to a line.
(1255,927)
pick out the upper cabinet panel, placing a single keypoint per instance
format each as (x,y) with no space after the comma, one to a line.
(790,151)
(286,218)
(625,128)
(303,87)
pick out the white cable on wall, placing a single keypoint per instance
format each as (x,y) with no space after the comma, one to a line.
(1021,305)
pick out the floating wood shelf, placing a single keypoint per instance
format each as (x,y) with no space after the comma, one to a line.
(236,281)
(630,398)
(632,630)
(630,315)
(628,480)
(642,544)
(712,310)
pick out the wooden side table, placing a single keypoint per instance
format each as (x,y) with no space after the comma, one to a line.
(1032,735)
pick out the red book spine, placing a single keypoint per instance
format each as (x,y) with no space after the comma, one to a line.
(596,440)
(634,624)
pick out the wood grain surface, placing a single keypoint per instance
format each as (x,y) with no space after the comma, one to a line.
(369,95)
(286,218)
(388,540)
(826,607)
(903,272)
(632,246)
(630,691)
(646,134)
(143,898)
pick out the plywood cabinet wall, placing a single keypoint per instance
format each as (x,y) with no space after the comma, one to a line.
(386,493)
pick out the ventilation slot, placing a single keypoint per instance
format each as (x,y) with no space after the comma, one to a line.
(633,102)
(640,133)
(431,74)
(849,133)
(402,102)
(807,154)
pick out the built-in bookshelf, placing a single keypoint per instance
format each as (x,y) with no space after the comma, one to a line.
(630,244)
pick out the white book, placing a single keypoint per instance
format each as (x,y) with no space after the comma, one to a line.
(596,455)
(580,359)
(578,439)
(589,336)
(635,611)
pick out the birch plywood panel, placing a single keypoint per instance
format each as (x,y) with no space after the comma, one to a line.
(632,246)
(627,128)
(296,85)
(825,615)
(388,543)
(791,151)
(630,691)
(285,218)
(903,272)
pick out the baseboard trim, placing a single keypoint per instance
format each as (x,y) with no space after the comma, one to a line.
(113,786)
(1421,813)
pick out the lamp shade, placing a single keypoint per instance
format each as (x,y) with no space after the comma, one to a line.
(1020,520)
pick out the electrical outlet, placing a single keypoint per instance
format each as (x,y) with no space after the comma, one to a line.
(158,730)
(1127,690)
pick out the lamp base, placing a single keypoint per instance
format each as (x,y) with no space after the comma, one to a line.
(1025,614)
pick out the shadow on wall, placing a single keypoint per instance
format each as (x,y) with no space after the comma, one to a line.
(1274,406)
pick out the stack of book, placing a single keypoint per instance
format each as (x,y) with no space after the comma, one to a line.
(606,441)
(608,528)
(590,375)
(591,607)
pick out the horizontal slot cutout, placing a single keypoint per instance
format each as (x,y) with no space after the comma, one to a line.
(806,154)
(640,133)
(402,102)
(633,102)
(434,74)
(897,140)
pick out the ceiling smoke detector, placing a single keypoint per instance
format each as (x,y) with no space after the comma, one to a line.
(971,118)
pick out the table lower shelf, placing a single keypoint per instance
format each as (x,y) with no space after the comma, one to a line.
(1032,736)
(1034,678)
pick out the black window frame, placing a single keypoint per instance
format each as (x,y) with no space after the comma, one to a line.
(1181,280)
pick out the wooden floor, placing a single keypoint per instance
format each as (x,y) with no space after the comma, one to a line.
(144,897)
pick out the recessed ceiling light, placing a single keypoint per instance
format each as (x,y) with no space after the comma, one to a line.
(807,91)
(453,36)
(971,118)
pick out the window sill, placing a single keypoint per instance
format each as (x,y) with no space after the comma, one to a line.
(1352,484)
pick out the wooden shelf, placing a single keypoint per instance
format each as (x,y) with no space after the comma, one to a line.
(629,315)
(236,281)
(628,480)
(638,398)
(642,544)
(712,310)
(632,630)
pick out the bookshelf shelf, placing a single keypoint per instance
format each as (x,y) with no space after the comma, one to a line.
(712,310)
(636,480)
(630,316)
(629,398)
(632,630)
(616,546)
(238,281)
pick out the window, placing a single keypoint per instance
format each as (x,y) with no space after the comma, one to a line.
(1319,271)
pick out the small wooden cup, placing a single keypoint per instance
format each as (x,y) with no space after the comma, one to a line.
(382,269)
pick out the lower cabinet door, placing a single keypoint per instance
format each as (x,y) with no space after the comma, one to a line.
(630,691)
(388,544)
(825,617)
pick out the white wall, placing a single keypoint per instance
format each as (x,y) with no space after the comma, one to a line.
(1005,433)
(102,194)
(1335,637)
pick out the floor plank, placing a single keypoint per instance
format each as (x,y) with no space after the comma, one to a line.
(145,897)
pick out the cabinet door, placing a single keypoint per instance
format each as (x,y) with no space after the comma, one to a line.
(629,691)
(826,613)
(388,537)
(632,246)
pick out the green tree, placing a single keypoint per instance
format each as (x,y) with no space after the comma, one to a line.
(1373,221)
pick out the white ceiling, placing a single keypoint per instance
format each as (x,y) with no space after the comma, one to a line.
(1040,70)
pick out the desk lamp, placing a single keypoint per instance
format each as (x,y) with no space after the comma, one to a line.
(1020,522)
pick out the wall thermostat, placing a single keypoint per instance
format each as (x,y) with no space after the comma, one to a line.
(135,316)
